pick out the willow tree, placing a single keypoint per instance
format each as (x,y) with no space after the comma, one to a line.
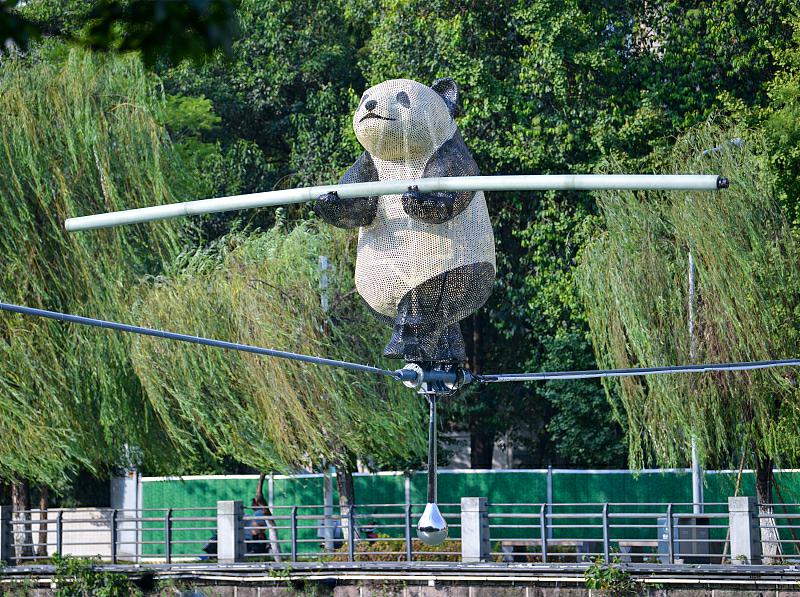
(78,137)
(747,306)
(272,413)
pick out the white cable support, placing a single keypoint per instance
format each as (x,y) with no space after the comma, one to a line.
(560,182)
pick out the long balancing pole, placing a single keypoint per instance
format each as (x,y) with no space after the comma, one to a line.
(564,182)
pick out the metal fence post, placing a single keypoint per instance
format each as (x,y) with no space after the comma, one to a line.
(230,531)
(60,533)
(351,538)
(475,542)
(409,544)
(745,530)
(114,536)
(6,536)
(543,531)
(168,536)
(670,536)
(606,542)
(327,510)
(294,533)
(549,497)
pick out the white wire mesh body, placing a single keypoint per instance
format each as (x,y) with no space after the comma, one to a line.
(396,252)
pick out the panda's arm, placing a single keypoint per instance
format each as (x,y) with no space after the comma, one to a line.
(451,159)
(350,213)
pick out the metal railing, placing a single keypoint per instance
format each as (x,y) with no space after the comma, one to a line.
(780,526)
(114,535)
(381,532)
(653,533)
(628,532)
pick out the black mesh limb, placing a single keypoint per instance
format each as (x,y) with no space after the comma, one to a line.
(426,328)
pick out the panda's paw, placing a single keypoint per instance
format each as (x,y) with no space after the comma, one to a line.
(432,208)
(345,213)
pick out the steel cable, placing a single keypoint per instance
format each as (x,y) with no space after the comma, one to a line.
(135,329)
(402,374)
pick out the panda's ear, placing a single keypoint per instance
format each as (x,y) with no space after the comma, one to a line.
(448,89)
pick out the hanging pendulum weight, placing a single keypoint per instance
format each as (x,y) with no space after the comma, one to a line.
(432,528)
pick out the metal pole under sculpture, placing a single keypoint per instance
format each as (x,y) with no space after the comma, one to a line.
(432,527)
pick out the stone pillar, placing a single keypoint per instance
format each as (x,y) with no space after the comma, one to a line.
(230,531)
(745,530)
(475,544)
(7,554)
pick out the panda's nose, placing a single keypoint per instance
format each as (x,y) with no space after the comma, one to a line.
(370,105)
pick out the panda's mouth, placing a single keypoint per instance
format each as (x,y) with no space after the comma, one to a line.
(369,115)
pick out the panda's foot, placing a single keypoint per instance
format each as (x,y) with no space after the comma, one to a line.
(412,340)
(412,344)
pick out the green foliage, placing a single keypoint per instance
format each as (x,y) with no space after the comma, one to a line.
(384,549)
(80,577)
(15,28)
(78,138)
(634,279)
(612,579)
(547,86)
(782,124)
(174,30)
(18,588)
(581,426)
(189,116)
(263,289)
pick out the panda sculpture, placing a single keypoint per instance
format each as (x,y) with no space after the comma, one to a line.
(425,260)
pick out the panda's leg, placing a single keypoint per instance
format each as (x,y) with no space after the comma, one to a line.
(450,348)
(416,329)
(465,290)
(426,328)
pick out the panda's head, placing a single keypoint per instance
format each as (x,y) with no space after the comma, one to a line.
(401,119)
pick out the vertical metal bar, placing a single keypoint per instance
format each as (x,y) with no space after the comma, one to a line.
(409,544)
(549,497)
(6,536)
(59,533)
(327,499)
(543,531)
(697,471)
(697,480)
(351,539)
(114,536)
(294,533)
(432,489)
(168,536)
(670,536)
(606,542)
(271,491)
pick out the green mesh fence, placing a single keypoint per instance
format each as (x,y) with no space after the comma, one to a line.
(381,502)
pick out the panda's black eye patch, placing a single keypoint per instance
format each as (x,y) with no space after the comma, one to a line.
(363,99)
(402,99)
